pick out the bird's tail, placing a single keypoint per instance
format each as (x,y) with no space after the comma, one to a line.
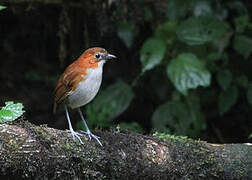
(55,107)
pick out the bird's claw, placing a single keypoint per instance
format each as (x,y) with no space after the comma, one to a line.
(91,135)
(76,135)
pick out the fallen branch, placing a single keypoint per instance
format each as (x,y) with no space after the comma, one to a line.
(31,151)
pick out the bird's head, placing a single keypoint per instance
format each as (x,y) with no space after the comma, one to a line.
(94,57)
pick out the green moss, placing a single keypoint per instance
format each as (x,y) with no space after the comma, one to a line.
(38,132)
(165,136)
(13,144)
(68,147)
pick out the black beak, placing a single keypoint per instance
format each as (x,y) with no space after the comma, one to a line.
(110,56)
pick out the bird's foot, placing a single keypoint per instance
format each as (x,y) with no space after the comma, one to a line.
(76,135)
(91,135)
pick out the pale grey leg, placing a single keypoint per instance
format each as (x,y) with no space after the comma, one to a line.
(88,132)
(74,134)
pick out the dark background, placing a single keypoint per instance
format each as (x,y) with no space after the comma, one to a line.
(39,39)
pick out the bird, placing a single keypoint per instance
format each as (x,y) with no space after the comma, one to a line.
(79,84)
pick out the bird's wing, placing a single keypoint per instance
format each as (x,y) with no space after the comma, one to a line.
(66,84)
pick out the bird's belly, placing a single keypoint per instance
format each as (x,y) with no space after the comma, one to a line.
(85,92)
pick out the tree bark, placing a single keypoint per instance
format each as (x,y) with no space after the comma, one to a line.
(30,151)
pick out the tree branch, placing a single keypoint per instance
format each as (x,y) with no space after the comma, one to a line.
(38,151)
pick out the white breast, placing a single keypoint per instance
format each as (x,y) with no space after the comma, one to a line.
(88,88)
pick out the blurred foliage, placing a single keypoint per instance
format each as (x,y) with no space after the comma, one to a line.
(109,104)
(125,32)
(133,126)
(152,53)
(187,72)
(184,66)
(11,111)
(193,43)
(2,7)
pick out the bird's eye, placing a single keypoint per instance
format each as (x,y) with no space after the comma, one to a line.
(97,56)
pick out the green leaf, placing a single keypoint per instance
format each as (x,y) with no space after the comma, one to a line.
(224,78)
(176,9)
(125,32)
(109,104)
(11,111)
(227,99)
(197,31)
(147,14)
(166,32)
(221,33)
(196,115)
(249,94)
(179,118)
(188,72)
(239,7)
(171,116)
(241,23)
(221,13)
(242,81)
(193,32)
(2,7)
(243,45)
(214,56)
(202,8)
(152,53)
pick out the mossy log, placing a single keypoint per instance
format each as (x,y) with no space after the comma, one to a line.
(29,151)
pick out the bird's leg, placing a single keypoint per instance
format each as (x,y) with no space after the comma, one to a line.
(74,134)
(88,132)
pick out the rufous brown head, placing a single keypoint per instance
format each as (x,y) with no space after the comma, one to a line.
(93,57)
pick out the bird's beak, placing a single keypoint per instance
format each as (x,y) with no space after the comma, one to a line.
(110,56)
